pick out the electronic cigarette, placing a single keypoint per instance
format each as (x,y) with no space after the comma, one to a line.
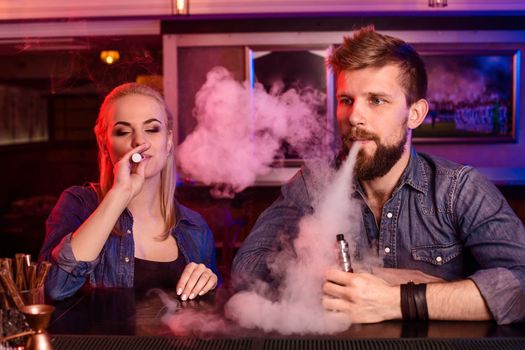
(136,158)
(344,256)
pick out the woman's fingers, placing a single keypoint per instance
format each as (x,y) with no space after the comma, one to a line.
(210,284)
(139,149)
(184,279)
(129,175)
(196,279)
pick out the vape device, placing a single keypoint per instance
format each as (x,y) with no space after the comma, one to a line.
(344,254)
(136,158)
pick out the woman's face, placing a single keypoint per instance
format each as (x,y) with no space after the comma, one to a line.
(134,120)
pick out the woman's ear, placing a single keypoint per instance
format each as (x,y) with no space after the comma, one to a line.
(417,113)
(170,141)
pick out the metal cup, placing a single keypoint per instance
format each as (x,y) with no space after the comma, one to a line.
(38,317)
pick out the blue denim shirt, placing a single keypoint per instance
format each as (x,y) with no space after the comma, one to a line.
(114,267)
(443,218)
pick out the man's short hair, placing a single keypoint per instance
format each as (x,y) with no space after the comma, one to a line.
(369,49)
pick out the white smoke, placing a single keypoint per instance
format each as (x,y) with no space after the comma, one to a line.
(240,129)
(298,308)
(238,135)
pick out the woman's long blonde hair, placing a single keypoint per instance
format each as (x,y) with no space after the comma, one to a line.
(168,181)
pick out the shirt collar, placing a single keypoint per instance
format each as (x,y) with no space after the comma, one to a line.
(184,215)
(414,175)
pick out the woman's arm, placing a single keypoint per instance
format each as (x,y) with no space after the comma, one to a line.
(89,239)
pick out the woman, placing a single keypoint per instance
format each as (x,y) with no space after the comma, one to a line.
(128,230)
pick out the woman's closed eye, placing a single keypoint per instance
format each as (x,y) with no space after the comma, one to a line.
(120,132)
(153,129)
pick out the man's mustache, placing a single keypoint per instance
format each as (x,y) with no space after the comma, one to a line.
(357,134)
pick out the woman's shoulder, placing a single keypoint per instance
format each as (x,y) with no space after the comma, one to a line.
(189,215)
(86,194)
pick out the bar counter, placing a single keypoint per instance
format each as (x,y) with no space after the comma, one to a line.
(124,319)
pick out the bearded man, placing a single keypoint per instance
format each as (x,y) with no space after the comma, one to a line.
(429,220)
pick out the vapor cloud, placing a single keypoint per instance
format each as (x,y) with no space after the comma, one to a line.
(240,130)
(298,308)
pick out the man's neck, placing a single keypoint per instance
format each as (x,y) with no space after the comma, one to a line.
(379,190)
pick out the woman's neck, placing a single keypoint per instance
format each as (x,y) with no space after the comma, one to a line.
(147,202)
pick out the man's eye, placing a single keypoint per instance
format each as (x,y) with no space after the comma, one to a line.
(345,101)
(377,101)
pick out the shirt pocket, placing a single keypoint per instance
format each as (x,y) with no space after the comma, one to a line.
(437,254)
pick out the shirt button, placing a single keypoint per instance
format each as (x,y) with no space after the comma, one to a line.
(128,231)
(126,259)
(389,215)
(387,250)
(439,259)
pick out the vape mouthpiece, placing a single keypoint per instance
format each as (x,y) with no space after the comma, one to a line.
(136,158)
(344,254)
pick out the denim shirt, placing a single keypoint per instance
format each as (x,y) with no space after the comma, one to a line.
(443,219)
(114,267)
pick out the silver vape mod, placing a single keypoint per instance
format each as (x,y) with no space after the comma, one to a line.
(344,254)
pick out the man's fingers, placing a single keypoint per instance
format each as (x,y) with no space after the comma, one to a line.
(334,304)
(334,290)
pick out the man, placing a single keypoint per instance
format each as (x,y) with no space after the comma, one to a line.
(426,216)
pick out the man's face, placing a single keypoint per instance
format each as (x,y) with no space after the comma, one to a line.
(372,109)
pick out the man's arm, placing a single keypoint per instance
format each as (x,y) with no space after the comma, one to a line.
(495,238)
(460,300)
(367,298)
(275,227)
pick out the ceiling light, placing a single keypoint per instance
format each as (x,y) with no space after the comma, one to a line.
(437,3)
(182,7)
(109,56)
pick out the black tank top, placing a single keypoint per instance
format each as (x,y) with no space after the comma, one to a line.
(157,274)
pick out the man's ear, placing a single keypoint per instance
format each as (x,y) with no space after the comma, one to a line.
(417,113)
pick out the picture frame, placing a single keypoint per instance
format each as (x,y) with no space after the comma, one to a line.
(473,95)
(473,90)
(294,66)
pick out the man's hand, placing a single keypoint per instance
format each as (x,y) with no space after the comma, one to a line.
(364,297)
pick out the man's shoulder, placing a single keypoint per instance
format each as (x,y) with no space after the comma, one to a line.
(301,185)
(444,172)
(442,167)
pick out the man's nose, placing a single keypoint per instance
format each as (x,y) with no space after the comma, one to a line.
(356,114)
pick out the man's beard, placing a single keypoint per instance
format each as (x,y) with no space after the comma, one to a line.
(384,158)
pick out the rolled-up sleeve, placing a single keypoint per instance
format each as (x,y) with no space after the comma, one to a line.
(495,237)
(67,275)
(63,256)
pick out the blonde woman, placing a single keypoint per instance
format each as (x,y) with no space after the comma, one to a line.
(128,230)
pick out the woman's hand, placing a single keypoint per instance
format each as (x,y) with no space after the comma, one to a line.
(196,279)
(128,176)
